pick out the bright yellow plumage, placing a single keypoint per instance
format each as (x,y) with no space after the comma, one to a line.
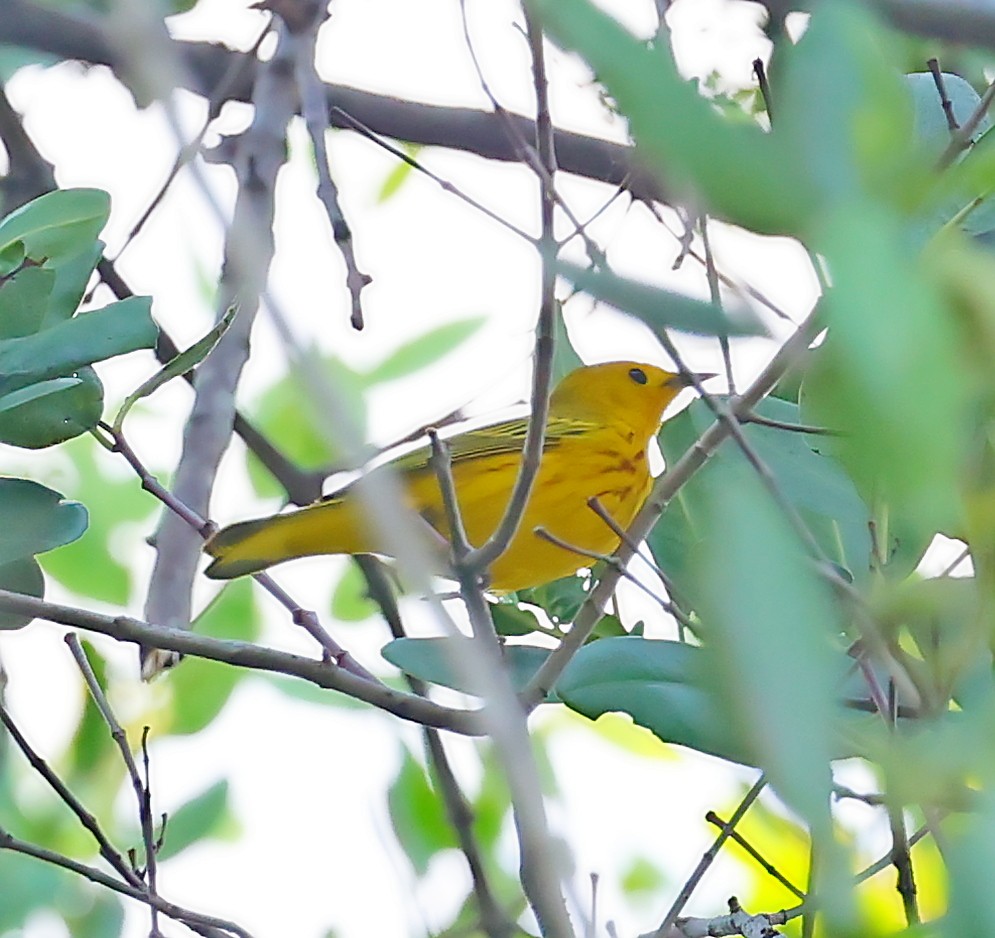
(601,419)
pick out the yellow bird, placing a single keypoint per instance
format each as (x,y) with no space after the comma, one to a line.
(601,419)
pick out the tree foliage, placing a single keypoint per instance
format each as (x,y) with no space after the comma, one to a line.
(792,615)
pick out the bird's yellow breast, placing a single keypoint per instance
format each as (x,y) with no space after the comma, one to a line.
(609,465)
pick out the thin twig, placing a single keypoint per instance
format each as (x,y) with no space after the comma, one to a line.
(315,112)
(608,559)
(104,846)
(709,856)
(768,868)
(235,71)
(305,618)
(941,87)
(964,137)
(207,925)
(716,296)
(760,70)
(141,789)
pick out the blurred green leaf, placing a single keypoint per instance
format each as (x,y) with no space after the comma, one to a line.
(206,815)
(765,602)
(20,576)
(842,113)
(350,598)
(101,915)
(92,566)
(932,132)
(509,619)
(34,519)
(561,599)
(890,374)
(565,357)
(56,225)
(27,885)
(396,178)
(661,309)
(284,413)
(418,815)
(93,750)
(492,802)
(201,687)
(436,660)
(52,411)
(296,689)
(747,177)
(642,876)
(815,485)
(422,351)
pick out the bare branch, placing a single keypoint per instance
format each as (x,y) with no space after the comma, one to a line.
(252,657)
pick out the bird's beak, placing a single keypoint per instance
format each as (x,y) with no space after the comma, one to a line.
(689,380)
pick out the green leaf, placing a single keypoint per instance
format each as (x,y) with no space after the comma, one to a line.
(56,225)
(72,276)
(24,301)
(661,309)
(436,660)
(20,576)
(662,685)
(421,352)
(890,375)
(93,753)
(89,567)
(35,391)
(90,337)
(398,175)
(815,485)
(561,599)
(418,815)
(52,411)
(763,602)
(565,357)
(841,112)
(178,365)
(932,131)
(201,687)
(350,598)
(206,815)
(34,519)
(99,915)
(286,414)
(509,619)
(740,172)
(297,689)
(642,877)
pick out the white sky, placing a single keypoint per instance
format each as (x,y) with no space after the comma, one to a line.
(309,783)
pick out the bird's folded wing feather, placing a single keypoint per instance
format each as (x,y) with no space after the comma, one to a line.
(506,437)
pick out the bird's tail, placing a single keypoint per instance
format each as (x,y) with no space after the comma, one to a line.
(250,546)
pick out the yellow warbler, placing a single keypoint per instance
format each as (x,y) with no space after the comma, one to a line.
(601,418)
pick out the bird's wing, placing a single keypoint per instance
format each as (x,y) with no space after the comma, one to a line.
(505,437)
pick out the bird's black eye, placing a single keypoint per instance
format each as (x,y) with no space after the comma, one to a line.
(638,375)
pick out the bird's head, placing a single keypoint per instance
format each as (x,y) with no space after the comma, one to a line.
(631,392)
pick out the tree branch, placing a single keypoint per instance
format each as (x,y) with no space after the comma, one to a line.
(252,657)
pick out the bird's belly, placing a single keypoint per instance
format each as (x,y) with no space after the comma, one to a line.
(557,504)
